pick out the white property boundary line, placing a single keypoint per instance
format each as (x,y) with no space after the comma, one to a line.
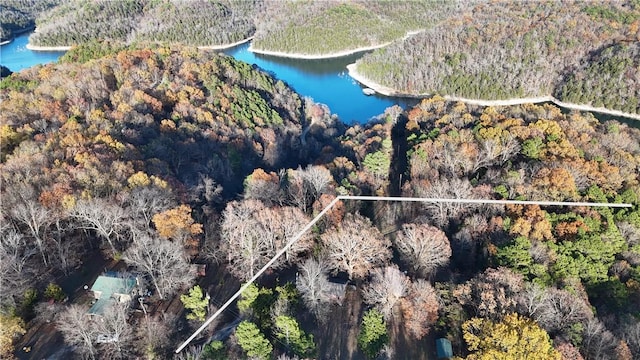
(379,198)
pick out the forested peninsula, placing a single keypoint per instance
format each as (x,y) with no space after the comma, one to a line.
(201,23)
(581,53)
(18,16)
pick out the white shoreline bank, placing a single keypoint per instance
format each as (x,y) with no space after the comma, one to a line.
(204,47)
(224,46)
(338,54)
(47,48)
(387,91)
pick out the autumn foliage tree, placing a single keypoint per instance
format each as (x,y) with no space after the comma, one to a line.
(420,308)
(515,337)
(10,328)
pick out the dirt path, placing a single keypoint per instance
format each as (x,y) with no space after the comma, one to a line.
(339,338)
(406,347)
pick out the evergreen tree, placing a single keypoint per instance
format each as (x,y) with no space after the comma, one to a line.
(373,333)
(252,341)
(196,303)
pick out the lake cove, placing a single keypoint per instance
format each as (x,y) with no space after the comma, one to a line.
(327,81)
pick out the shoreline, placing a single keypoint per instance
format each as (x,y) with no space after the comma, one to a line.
(387,91)
(225,46)
(47,48)
(338,54)
(204,47)
(333,55)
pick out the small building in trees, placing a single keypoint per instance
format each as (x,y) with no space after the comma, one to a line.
(336,290)
(444,349)
(109,289)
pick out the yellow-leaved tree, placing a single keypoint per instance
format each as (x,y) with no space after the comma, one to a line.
(10,328)
(176,223)
(515,337)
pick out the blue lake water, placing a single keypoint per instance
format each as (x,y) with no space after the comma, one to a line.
(16,56)
(326,81)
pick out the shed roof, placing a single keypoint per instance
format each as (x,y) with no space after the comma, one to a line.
(444,349)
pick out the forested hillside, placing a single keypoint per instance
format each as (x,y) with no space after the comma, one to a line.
(505,50)
(325,27)
(129,153)
(161,158)
(308,27)
(574,271)
(203,23)
(608,77)
(20,15)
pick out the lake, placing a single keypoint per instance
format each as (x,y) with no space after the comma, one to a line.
(16,56)
(326,81)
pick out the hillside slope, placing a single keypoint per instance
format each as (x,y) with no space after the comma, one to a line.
(506,50)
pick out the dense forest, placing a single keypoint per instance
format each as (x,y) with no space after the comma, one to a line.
(157,159)
(203,23)
(20,15)
(574,271)
(574,50)
(325,27)
(312,27)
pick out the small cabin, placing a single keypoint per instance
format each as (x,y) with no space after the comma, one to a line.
(109,289)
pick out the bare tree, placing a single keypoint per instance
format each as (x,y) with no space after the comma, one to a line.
(355,246)
(420,308)
(115,334)
(454,188)
(242,241)
(145,201)
(306,185)
(107,219)
(164,261)
(317,180)
(631,333)
(252,233)
(155,333)
(281,225)
(496,150)
(23,207)
(79,330)
(313,284)
(424,247)
(387,287)
(206,189)
(14,269)
(65,250)
(554,309)
(492,294)
(598,342)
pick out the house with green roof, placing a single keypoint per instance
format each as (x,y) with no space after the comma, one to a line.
(109,289)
